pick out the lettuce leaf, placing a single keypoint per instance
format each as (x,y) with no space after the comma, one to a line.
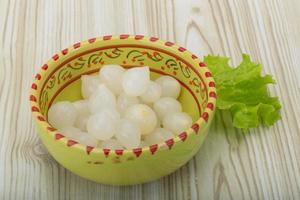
(243,91)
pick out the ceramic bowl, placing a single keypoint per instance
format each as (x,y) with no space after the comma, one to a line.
(59,79)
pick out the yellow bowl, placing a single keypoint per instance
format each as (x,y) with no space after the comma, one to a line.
(59,79)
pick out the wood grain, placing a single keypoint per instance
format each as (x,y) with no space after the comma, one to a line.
(262,163)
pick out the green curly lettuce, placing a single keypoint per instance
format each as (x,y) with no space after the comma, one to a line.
(243,91)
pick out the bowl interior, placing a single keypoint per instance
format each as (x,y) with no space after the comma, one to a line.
(72,92)
(61,77)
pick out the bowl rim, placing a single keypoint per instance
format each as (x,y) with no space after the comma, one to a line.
(202,121)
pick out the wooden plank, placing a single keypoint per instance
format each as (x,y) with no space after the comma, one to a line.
(261,163)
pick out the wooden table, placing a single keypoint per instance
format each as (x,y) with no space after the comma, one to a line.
(262,163)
